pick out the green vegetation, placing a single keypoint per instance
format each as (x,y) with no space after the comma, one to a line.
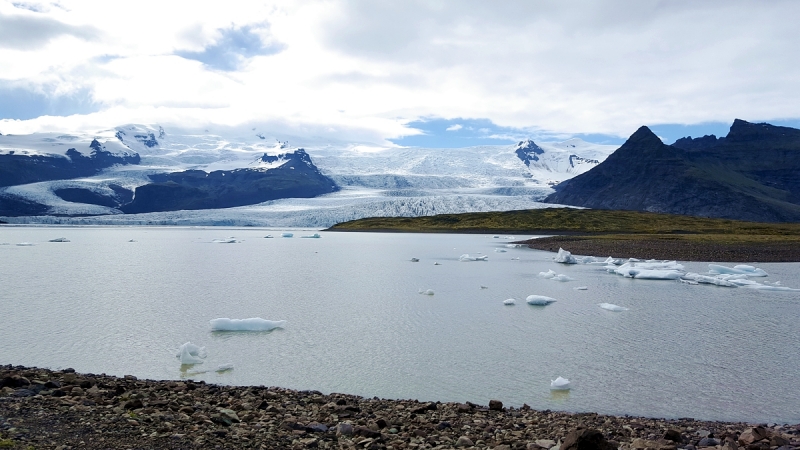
(582,221)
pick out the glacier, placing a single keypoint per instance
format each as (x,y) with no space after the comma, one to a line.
(382,182)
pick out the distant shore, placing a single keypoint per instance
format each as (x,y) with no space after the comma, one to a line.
(46,409)
(659,247)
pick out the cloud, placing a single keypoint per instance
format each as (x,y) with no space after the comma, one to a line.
(28,32)
(455,127)
(233,47)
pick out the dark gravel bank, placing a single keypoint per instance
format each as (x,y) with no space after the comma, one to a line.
(43,409)
(671,249)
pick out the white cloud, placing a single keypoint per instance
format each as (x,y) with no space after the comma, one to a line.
(560,66)
(455,127)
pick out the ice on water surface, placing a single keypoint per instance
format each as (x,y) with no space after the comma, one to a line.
(612,307)
(539,300)
(510,301)
(551,275)
(465,258)
(190,353)
(251,324)
(560,384)
(741,269)
(426,292)
(565,257)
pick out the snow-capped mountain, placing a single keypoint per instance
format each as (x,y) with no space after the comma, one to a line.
(172,164)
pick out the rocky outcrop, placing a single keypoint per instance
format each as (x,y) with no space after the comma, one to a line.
(751,174)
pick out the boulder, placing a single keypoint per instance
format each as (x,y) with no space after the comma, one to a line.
(752,434)
(673,435)
(464,441)
(585,439)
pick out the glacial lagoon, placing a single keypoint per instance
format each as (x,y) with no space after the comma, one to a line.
(122,300)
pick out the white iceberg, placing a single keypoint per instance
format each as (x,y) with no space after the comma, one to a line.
(510,301)
(190,353)
(426,292)
(612,307)
(230,240)
(25,244)
(465,258)
(437,264)
(414,259)
(551,275)
(312,236)
(614,261)
(560,384)
(650,270)
(741,269)
(539,300)
(499,250)
(61,239)
(514,245)
(706,279)
(287,235)
(251,324)
(565,257)
(224,367)
(484,287)
(581,288)
(269,236)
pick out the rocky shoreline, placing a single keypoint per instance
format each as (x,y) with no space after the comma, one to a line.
(44,409)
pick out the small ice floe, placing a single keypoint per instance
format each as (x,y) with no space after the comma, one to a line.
(224,368)
(690,282)
(612,307)
(515,245)
(312,236)
(426,292)
(539,300)
(741,269)
(230,240)
(697,278)
(414,259)
(251,324)
(269,236)
(437,264)
(132,240)
(551,275)
(560,384)
(515,259)
(61,239)
(25,244)
(287,235)
(190,353)
(565,257)
(466,258)
(499,250)
(496,237)
(510,301)
(581,288)
(614,261)
(650,270)
(484,287)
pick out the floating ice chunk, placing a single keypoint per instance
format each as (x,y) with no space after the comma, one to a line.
(614,261)
(764,287)
(514,245)
(190,353)
(287,235)
(586,260)
(61,239)
(465,258)
(484,287)
(230,240)
(691,282)
(437,264)
(499,250)
(312,236)
(560,384)
(581,288)
(515,259)
(25,244)
(706,279)
(741,269)
(414,259)
(269,236)
(132,240)
(496,237)
(251,324)
(426,292)
(551,275)
(539,300)
(565,257)
(224,367)
(650,270)
(612,307)
(510,301)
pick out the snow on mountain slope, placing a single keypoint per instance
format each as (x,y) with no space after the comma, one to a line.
(59,143)
(381,182)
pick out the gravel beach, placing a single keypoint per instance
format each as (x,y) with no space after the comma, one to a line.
(44,409)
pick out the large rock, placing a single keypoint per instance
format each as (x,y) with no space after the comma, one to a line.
(752,434)
(586,439)
(495,405)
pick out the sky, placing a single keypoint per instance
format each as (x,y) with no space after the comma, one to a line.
(411,73)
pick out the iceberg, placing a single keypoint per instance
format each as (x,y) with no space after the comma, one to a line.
(484,287)
(510,301)
(741,269)
(251,324)
(437,264)
(25,244)
(581,288)
(706,279)
(414,259)
(465,258)
(61,239)
(426,292)
(565,257)
(287,235)
(230,240)
(649,270)
(539,300)
(190,353)
(224,367)
(312,236)
(560,384)
(269,236)
(551,275)
(499,250)
(612,307)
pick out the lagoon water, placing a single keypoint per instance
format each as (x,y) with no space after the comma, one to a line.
(357,324)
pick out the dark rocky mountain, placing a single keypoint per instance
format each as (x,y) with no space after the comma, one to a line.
(751,174)
(196,189)
(23,169)
(528,151)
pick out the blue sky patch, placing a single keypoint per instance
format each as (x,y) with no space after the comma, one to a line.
(231,50)
(22,104)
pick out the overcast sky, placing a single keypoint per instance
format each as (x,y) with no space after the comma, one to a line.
(461,72)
